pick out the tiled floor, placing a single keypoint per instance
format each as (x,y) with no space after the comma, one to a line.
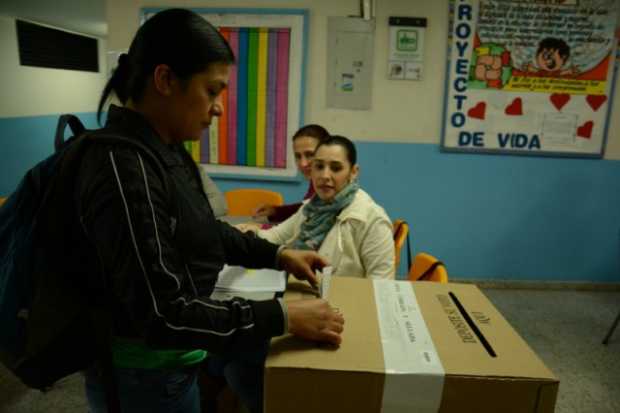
(565,328)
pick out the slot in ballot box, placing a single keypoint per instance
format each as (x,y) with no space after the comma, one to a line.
(409,347)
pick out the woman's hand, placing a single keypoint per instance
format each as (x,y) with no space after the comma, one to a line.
(264,211)
(302,264)
(315,320)
(248,226)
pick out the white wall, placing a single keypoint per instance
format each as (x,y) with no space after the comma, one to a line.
(402,111)
(33,91)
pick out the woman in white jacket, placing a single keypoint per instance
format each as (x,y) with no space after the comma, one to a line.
(341,222)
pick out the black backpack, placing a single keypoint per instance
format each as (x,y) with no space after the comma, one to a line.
(55,310)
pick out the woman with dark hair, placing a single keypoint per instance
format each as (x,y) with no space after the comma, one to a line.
(340,222)
(305,141)
(157,239)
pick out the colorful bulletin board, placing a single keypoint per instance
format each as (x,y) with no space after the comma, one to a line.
(530,77)
(263,104)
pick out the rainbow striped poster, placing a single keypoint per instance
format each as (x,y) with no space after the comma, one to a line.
(252,130)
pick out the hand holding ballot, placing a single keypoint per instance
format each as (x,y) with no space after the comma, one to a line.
(311,319)
(302,264)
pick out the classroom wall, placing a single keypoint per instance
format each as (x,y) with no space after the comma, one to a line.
(386,121)
(31,99)
(485,216)
(402,111)
(34,91)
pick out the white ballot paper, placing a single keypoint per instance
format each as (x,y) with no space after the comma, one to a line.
(325,281)
(240,279)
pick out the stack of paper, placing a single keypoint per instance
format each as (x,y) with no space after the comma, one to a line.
(243,282)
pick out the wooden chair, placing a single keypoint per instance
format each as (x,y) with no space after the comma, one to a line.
(2,200)
(243,202)
(400,230)
(427,268)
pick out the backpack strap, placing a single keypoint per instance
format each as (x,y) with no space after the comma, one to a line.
(102,316)
(76,125)
(104,336)
(154,159)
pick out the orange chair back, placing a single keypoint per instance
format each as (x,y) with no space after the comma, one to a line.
(400,229)
(427,268)
(2,200)
(243,202)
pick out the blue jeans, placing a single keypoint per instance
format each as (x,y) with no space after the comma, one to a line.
(243,371)
(147,390)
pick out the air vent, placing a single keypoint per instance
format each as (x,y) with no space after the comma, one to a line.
(43,46)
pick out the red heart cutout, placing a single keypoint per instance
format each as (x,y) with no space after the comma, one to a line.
(477,111)
(595,101)
(585,130)
(515,108)
(559,100)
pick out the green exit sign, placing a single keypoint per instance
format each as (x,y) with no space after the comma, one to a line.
(407,40)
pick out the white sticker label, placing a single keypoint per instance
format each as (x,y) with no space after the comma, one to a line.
(414,374)
(326,280)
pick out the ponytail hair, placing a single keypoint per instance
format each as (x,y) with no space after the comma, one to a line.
(116,84)
(179,38)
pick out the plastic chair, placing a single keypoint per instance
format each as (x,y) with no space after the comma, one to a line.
(400,230)
(427,268)
(243,202)
(611,330)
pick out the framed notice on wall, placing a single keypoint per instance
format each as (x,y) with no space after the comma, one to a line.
(530,77)
(406,57)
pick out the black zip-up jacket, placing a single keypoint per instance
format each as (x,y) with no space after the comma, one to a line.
(161,252)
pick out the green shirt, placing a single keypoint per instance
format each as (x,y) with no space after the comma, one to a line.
(135,354)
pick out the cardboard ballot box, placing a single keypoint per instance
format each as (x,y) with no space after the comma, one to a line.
(409,347)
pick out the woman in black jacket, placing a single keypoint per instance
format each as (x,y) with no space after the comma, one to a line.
(158,240)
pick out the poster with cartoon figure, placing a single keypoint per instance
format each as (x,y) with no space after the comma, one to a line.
(530,76)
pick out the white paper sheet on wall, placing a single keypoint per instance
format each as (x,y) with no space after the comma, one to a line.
(350,44)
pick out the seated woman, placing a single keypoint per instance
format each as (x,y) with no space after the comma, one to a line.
(305,141)
(340,221)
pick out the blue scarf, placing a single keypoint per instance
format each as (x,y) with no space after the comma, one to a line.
(321,216)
